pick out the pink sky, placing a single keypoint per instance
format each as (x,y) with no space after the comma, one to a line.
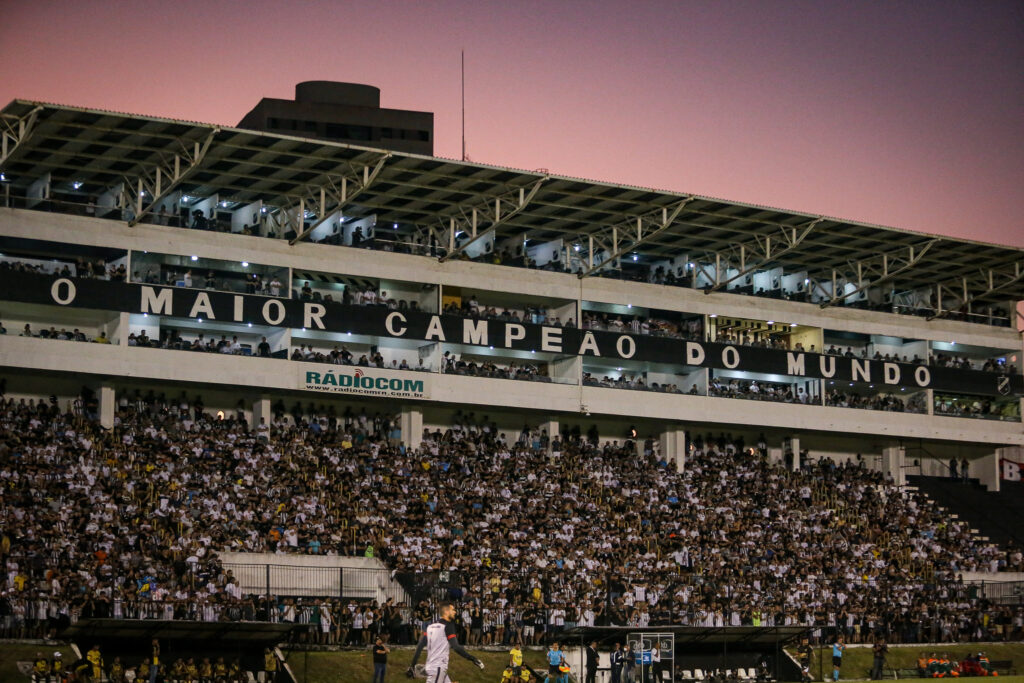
(906,114)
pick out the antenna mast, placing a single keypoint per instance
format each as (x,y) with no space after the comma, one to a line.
(463,105)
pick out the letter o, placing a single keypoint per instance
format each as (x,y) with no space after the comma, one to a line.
(620,345)
(923,376)
(69,292)
(730,357)
(275,320)
(395,385)
(366,382)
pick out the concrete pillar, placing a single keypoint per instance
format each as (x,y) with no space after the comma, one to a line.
(893,461)
(551,427)
(986,469)
(673,447)
(412,426)
(261,409)
(792,444)
(108,406)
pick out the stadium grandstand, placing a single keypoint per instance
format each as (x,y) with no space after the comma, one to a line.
(259,390)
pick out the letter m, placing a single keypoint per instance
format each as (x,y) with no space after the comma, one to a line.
(795,366)
(415,386)
(159,304)
(474,332)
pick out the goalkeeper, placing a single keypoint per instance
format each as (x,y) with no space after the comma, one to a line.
(439,639)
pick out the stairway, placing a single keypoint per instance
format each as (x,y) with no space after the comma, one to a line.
(999,517)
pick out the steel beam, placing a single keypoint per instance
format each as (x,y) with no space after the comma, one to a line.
(342,190)
(666,219)
(914,257)
(993,288)
(15,131)
(494,211)
(166,179)
(792,237)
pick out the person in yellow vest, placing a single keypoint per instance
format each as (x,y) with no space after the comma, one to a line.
(269,665)
(206,670)
(755,617)
(220,669)
(40,669)
(142,671)
(235,670)
(515,663)
(116,673)
(369,550)
(191,670)
(95,659)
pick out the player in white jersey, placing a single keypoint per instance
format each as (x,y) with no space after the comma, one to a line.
(439,639)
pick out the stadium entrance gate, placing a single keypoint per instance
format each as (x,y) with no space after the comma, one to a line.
(654,654)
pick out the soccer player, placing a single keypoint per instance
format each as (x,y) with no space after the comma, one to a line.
(439,639)
(838,648)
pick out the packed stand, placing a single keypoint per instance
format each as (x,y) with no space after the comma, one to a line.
(539,533)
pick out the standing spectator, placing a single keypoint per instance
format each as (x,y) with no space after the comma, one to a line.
(878,651)
(380,660)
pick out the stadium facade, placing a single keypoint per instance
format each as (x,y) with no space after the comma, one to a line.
(527,296)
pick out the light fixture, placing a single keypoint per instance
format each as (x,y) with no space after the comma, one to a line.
(771,322)
(629,305)
(77,184)
(714,315)
(394,226)
(575,247)
(194,257)
(199,320)
(250,324)
(185,199)
(807,281)
(635,257)
(263,209)
(223,205)
(245,264)
(792,324)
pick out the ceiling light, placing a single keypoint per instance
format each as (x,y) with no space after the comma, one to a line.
(194,257)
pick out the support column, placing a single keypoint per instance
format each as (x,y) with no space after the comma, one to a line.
(893,461)
(412,427)
(551,427)
(673,447)
(261,410)
(792,445)
(986,469)
(108,406)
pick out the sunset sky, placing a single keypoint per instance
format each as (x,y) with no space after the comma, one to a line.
(907,114)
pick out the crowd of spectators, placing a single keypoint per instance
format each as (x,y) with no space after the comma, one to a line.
(633,382)
(647,325)
(779,392)
(82,268)
(880,401)
(458,365)
(540,534)
(984,408)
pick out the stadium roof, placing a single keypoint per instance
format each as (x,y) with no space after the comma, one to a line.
(444,197)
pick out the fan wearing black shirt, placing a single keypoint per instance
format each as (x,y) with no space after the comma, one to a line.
(380,660)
